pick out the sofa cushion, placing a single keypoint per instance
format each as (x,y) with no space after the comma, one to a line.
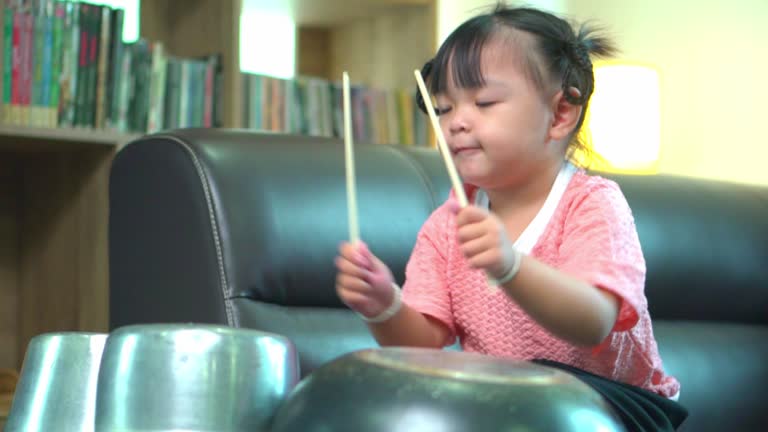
(722,370)
(705,245)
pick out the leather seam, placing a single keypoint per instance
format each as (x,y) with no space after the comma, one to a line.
(224,285)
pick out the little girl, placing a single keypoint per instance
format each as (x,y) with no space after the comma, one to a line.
(512,88)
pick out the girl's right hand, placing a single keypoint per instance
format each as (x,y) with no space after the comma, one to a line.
(363,282)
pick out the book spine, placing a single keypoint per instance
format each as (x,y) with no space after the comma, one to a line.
(208,98)
(125,89)
(116,66)
(27,38)
(82,64)
(218,94)
(38,62)
(199,89)
(44,113)
(58,55)
(102,71)
(8,14)
(142,67)
(184,95)
(69,65)
(157,87)
(17,67)
(94,39)
(171,115)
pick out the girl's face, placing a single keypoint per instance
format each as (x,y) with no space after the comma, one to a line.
(498,134)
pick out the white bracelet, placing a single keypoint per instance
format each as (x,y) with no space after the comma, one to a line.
(512,272)
(397,303)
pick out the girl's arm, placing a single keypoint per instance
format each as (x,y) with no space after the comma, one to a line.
(365,284)
(568,307)
(410,328)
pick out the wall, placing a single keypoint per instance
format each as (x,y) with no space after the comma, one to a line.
(451,13)
(712,59)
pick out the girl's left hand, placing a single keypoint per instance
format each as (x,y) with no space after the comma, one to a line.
(484,241)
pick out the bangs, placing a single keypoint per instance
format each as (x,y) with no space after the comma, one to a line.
(462,52)
(461,55)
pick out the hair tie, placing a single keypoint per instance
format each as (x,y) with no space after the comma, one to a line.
(579,54)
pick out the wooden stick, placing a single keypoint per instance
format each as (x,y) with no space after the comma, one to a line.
(349,158)
(458,188)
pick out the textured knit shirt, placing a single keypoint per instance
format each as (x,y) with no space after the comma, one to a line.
(590,234)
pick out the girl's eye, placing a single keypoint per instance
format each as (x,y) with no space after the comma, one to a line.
(441,110)
(484,104)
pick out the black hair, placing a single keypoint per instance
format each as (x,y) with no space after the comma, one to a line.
(553,52)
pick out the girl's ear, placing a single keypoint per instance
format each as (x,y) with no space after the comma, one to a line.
(565,115)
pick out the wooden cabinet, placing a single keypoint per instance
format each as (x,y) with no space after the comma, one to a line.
(53,234)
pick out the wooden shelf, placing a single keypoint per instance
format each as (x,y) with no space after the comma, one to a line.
(20,138)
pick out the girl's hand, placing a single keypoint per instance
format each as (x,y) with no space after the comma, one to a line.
(363,282)
(484,242)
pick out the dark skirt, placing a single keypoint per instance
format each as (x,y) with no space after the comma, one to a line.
(640,410)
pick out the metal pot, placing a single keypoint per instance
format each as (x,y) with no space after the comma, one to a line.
(422,390)
(57,387)
(167,377)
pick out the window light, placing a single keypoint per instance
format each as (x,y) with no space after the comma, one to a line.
(267,41)
(624,118)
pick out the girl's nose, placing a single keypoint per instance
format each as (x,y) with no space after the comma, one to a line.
(458,121)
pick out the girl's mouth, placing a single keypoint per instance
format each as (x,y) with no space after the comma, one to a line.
(463,151)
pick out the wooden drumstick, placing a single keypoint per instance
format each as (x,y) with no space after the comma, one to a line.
(354,230)
(458,188)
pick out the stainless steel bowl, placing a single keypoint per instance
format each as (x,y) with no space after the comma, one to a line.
(421,390)
(57,386)
(164,377)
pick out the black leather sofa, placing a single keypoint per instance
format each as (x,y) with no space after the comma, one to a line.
(240,228)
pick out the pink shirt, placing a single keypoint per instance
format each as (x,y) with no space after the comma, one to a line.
(591,235)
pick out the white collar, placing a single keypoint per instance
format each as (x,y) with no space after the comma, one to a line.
(533,231)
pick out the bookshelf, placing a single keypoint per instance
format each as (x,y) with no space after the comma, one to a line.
(198,28)
(54,180)
(54,200)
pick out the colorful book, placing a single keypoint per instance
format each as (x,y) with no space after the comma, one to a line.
(102,65)
(157,88)
(27,50)
(70,65)
(7,60)
(58,16)
(114,81)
